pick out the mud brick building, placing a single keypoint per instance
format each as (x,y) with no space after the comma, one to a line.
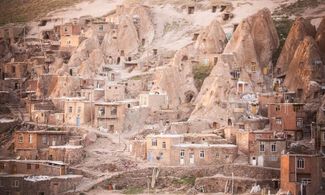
(155,101)
(203,154)
(287,117)
(31,177)
(77,111)
(34,144)
(70,35)
(300,174)
(138,148)
(33,167)
(267,151)
(159,147)
(170,149)
(66,153)
(115,92)
(110,115)
(15,70)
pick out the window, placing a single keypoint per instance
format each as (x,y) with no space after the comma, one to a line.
(30,138)
(101,111)
(70,109)
(202,154)
(20,138)
(29,166)
(278,121)
(217,155)
(2,165)
(253,67)
(262,146)
(101,27)
(79,109)
(154,142)
(1,184)
(300,122)
(44,139)
(182,154)
(273,147)
(277,108)
(37,166)
(300,163)
(41,193)
(273,158)
(15,183)
(114,111)
(163,144)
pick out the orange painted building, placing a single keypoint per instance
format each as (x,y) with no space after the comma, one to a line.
(300,174)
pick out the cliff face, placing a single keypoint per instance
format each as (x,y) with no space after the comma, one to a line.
(299,30)
(320,38)
(135,30)
(306,66)
(177,79)
(247,53)
(211,40)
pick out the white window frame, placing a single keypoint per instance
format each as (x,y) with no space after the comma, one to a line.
(15,183)
(300,163)
(182,154)
(30,138)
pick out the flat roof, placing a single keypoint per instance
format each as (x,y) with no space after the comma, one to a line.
(187,145)
(67,147)
(165,135)
(35,161)
(43,132)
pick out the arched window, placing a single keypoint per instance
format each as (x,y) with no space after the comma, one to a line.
(300,163)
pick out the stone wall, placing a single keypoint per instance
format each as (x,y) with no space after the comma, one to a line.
(168,175)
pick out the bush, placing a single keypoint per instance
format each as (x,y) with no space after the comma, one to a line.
(283,27)
(185,181)
(133,190)
(201,72)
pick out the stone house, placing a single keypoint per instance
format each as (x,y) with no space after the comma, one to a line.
(77,111)
(33,144)
(66,153)
(266,152)
(138,148)
(301,174)
(40,177)
(287,117)
(115,92)
(174,150)
(159,147)
(203,154)
(15,70)
(70,35)
(41,185)
(33,167)
(11,32)
(155,101)
(110,115)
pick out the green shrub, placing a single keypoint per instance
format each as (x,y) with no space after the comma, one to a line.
(133,190)
(200,72)
(185,180)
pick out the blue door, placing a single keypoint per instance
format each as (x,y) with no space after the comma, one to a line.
(78,121)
